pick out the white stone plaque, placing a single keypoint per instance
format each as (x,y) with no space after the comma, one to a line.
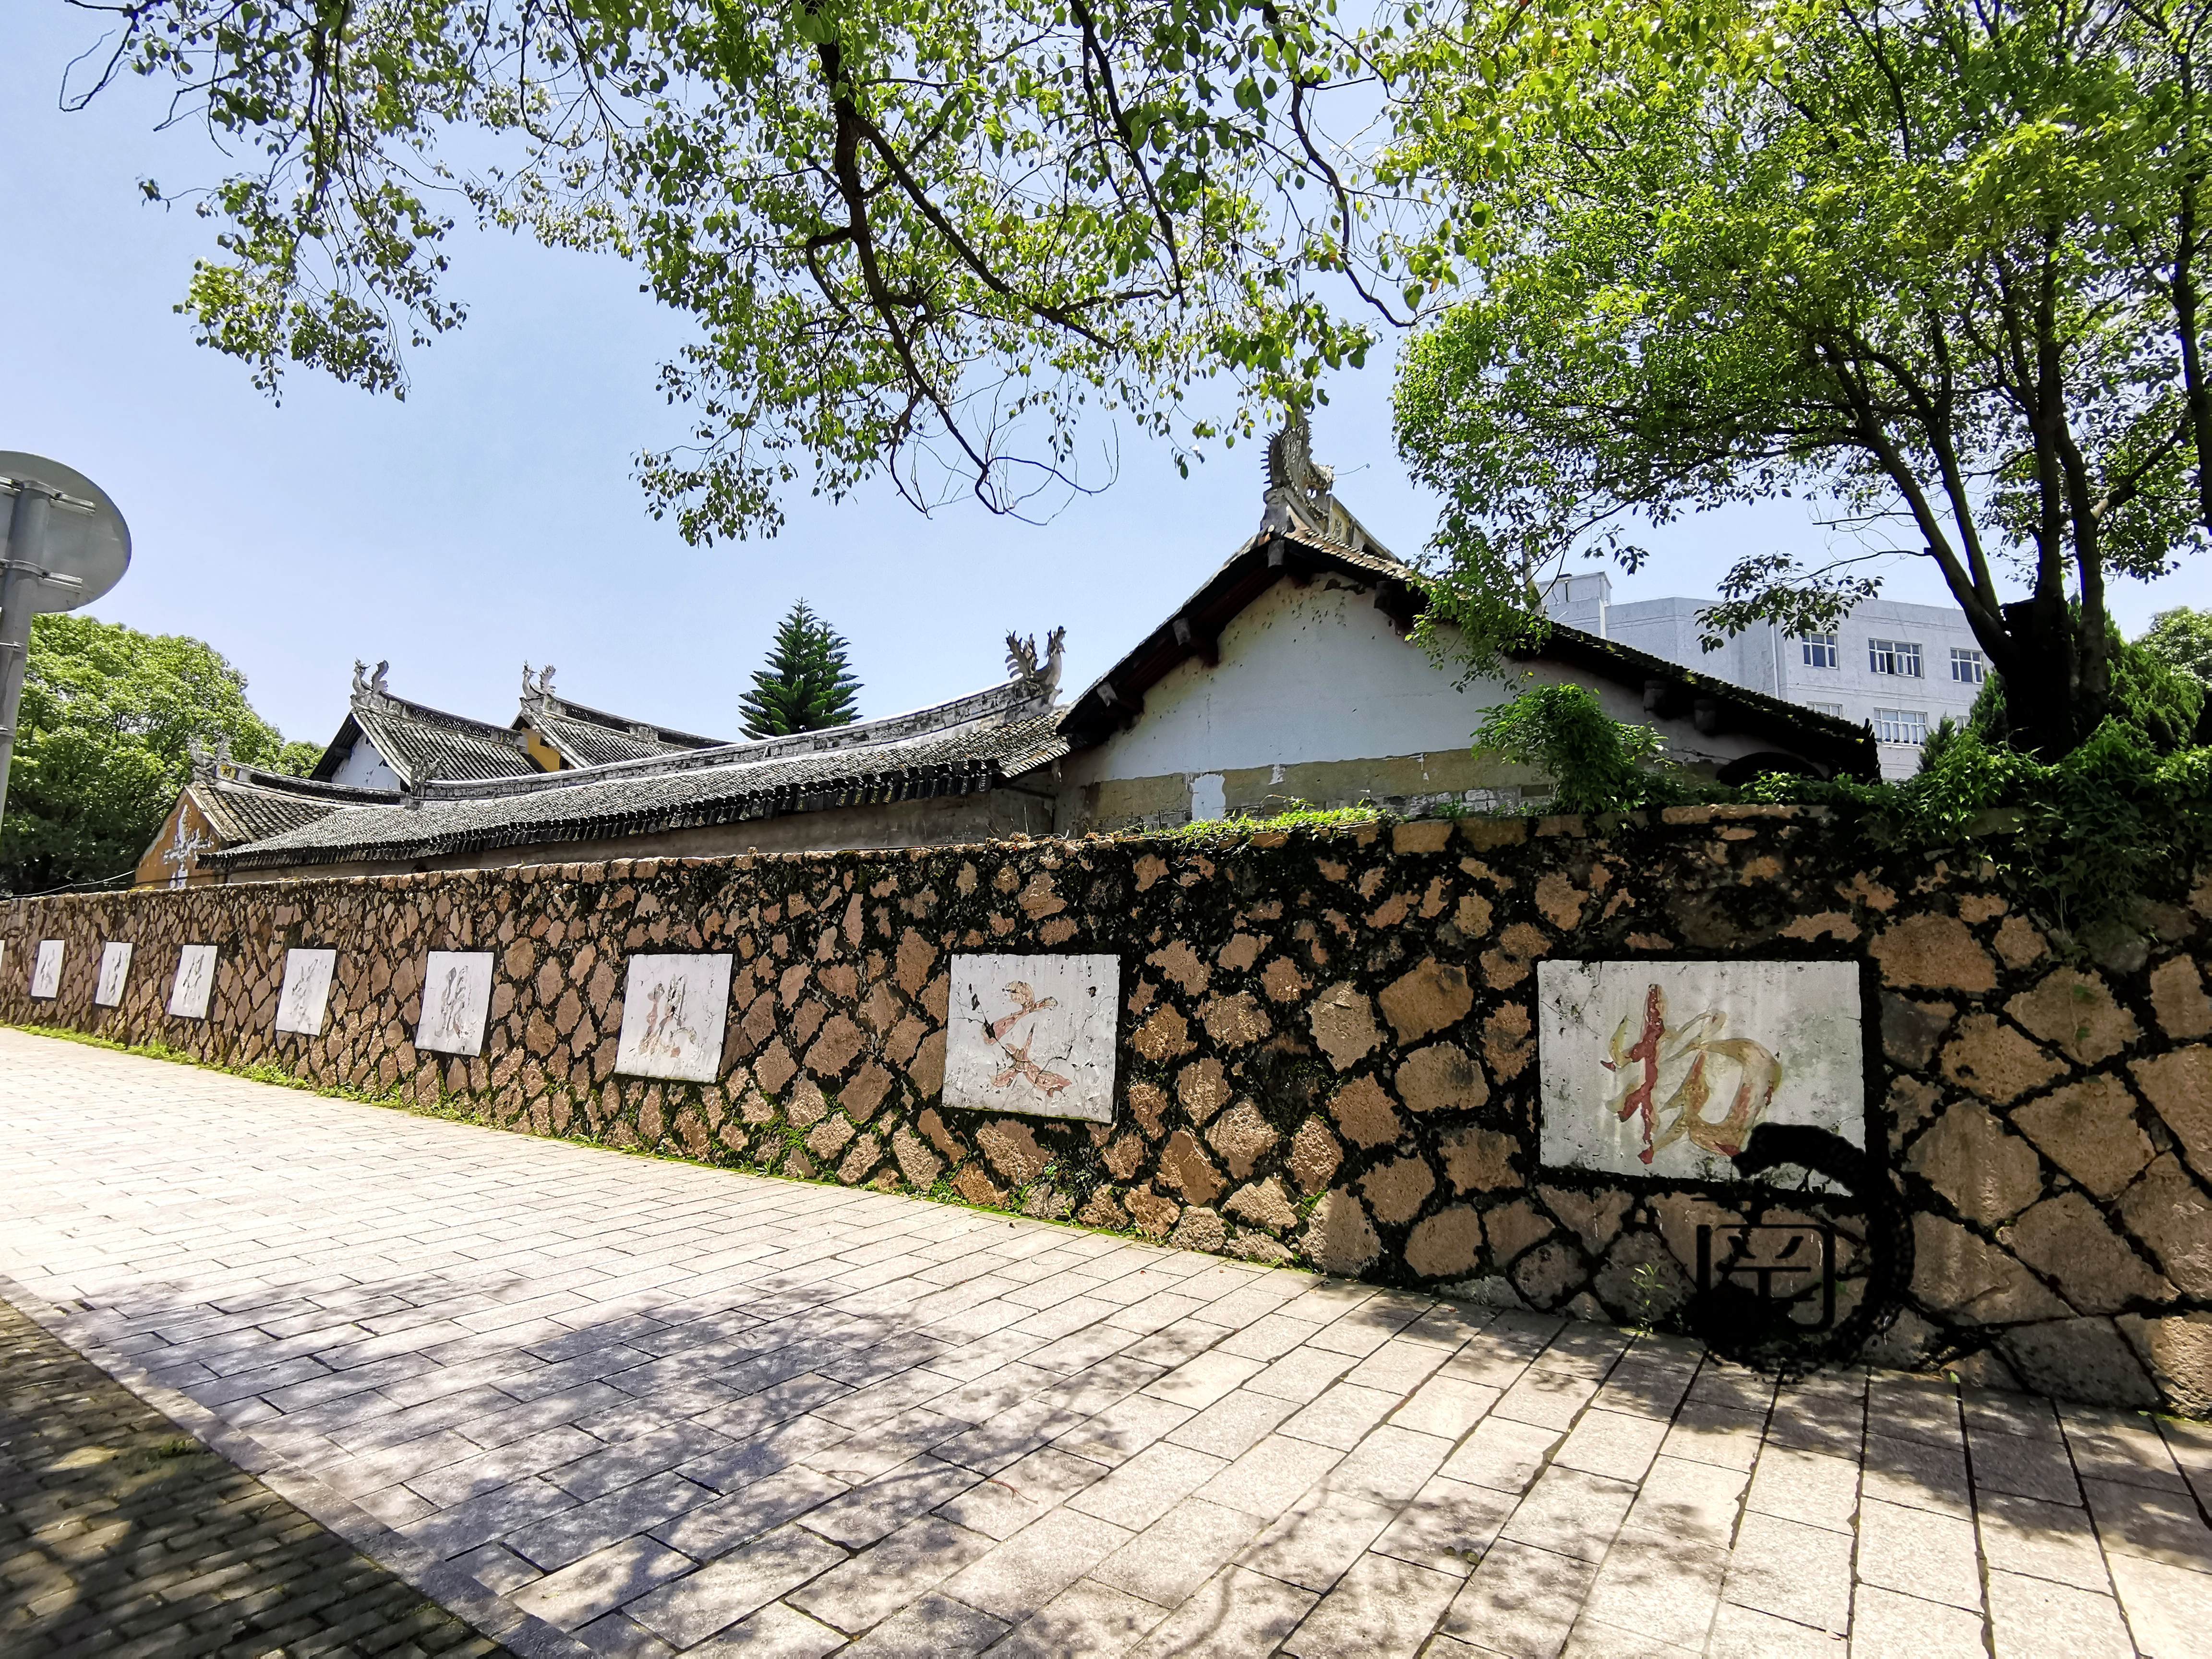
(1033,1034)
(195,983)
(673,1011)
(456,1001)
(306,993)
(46,968)
(1664,1068)
(114,972)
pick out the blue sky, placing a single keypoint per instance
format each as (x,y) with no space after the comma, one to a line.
(492,518)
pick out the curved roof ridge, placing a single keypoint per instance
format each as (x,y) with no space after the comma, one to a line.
(1007,701)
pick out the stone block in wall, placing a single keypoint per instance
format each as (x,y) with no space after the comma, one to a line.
(1263,1204)
(1478,1160)
(1316,1156)
(2177,1000)
(2066,1239)
(1203,1088)
(1962,1278)
(1155,1216)
(1343,1023)
(1996,1061)
(1933,953)
(1911,1030)
(1513,958)
(2088,1129)
(1242,1137)
(1364,1112)
(1011,1146)
(1428,998)
(2178,1085)
(1396,1189)
(1340,1239)
(2172,1214)
(2075,1013)
(2178,1350)
(1988,1173)
(1440,1078)
(2078,1358)
(1184,1166)
(1446,1244)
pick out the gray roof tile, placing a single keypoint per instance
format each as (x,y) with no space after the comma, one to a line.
(697,787)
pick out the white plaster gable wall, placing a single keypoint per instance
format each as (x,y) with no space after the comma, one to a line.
(364,768)
(1318,674)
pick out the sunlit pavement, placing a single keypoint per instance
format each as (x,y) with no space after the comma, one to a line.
(613,1404)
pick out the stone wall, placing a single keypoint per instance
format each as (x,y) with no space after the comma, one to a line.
(1328,1053)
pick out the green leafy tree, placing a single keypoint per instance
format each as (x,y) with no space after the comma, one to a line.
(806,684)
(108,717)
(1935,260)
(922,238)
(1596,763)
(2182,639)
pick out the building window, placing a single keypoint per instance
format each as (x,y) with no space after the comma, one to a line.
(1900,657)
(1819,650)
(1968,667)
(1834,708)
(1905,725)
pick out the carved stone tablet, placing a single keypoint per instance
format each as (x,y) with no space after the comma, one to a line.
(114,971)
(1033,1034)
(1664,1068)
(456,999)
(46,968)
(307,992)
(673,1012)
(195,983)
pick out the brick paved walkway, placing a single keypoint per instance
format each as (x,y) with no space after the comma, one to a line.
(118,1532)
(666,1408)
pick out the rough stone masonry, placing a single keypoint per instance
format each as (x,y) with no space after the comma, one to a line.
(1327,1052)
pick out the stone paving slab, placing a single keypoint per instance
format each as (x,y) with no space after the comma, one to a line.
(640,1407)
(119,1535)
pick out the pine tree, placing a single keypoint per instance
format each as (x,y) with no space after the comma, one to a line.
(806,684)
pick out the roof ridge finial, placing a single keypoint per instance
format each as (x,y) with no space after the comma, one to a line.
(1038,680)
(1298,487)
(366,685)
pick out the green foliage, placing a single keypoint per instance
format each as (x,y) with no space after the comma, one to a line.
(1936,261)
(1596,763)
(2083,838)
(108,715)
(922,239)
(1296,814)
(2182,639)
(2156,702)
(806,685)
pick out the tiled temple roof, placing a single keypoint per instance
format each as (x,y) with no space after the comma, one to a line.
(420,743)
(243,803)
(584,736)
(968,746)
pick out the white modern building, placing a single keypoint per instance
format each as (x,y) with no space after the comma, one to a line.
(1898,668)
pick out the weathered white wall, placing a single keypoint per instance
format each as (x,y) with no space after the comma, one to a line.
(364,768)
(1317,673)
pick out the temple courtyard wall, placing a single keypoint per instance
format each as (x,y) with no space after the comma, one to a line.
(1328,1049)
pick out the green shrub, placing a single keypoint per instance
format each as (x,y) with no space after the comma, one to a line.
(1596,763)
